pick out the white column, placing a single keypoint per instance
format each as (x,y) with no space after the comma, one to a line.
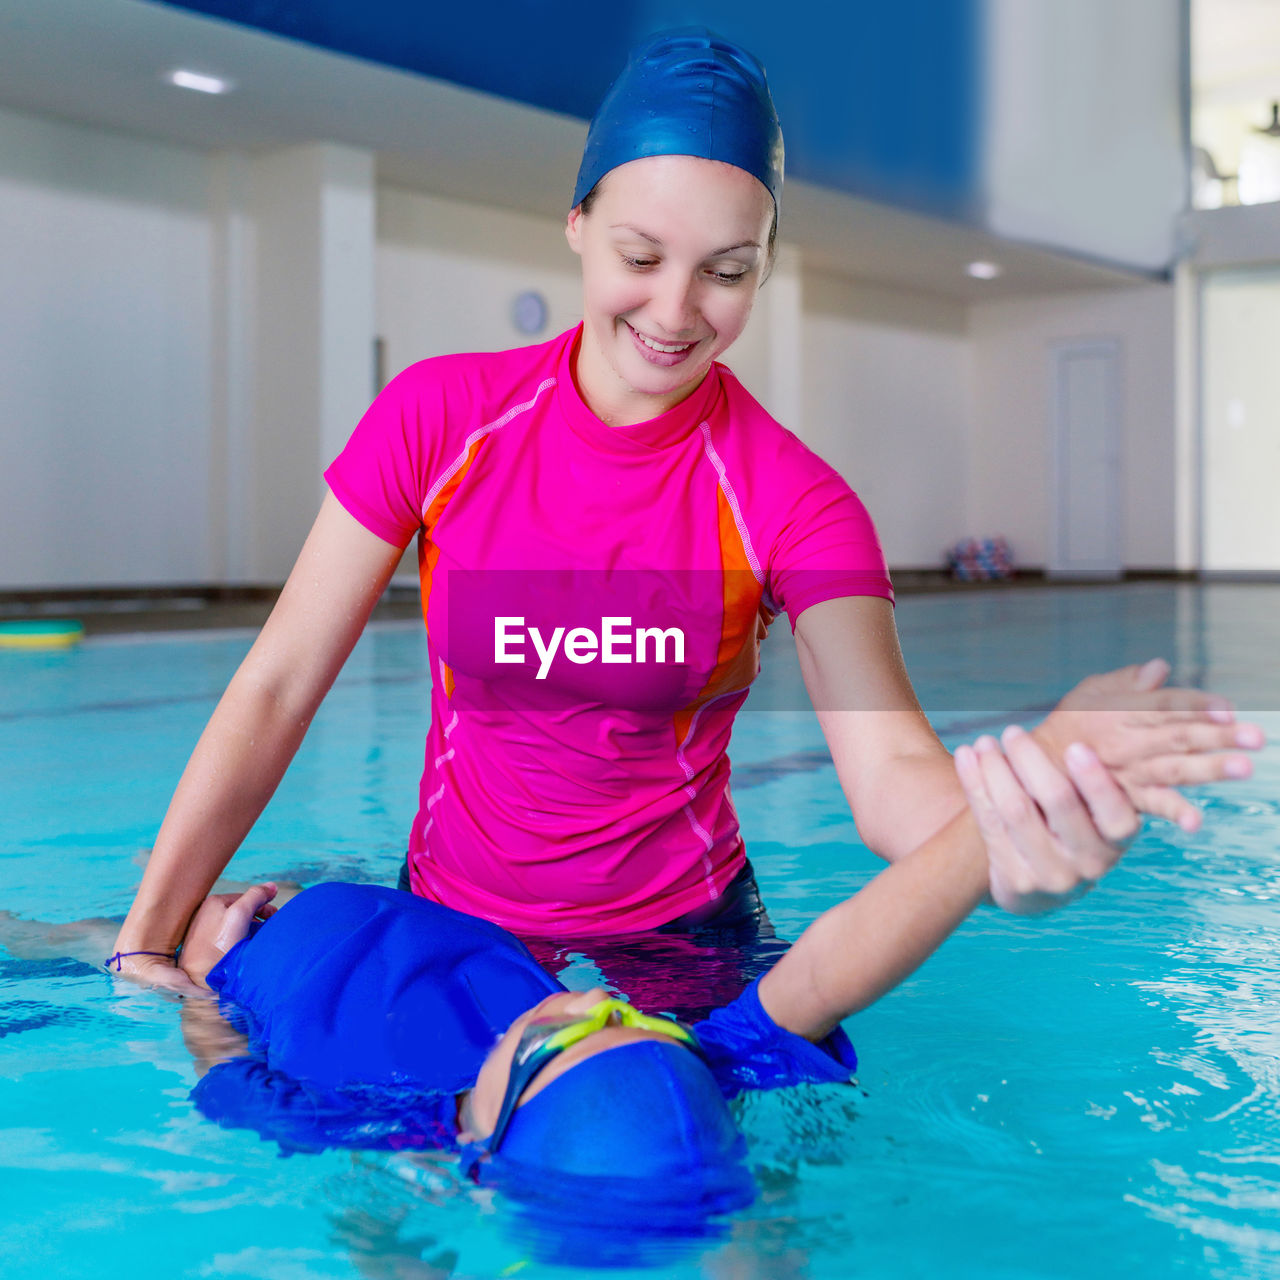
(786,340)
(313,323)
(1187,428)
(231,384)
(348,218)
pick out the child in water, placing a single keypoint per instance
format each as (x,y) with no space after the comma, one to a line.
(378,1018)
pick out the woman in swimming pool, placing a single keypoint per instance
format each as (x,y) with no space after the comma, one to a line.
(606,525)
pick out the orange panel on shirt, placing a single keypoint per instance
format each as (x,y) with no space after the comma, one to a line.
(743,620)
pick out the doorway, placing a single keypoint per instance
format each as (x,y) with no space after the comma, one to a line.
(1085,540)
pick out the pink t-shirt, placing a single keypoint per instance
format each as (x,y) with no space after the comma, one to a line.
(595,598)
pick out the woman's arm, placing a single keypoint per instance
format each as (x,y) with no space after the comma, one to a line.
(856,952)
(255,731)
(897,777)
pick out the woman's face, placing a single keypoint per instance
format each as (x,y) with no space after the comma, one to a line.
(673,252)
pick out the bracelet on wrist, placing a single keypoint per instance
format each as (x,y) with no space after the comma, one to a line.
(124,955)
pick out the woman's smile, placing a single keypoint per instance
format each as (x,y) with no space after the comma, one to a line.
(664,354)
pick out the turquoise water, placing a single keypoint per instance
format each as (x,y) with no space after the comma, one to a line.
(1092,1094)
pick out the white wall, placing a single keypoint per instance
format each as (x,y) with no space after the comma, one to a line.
(1010,457)
(105,303)
(142,340)
(447,274)
(887,393)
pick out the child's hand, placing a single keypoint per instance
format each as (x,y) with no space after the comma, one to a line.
(1042,854)
(222,921)
(1151,738)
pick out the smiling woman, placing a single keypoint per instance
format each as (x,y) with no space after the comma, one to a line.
(620,469)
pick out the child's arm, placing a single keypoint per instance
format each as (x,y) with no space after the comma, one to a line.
(222,920)
(854,953)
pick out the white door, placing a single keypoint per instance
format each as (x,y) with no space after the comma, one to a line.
(1085,536)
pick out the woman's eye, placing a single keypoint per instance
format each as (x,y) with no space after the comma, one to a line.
(638,264)
(728,277)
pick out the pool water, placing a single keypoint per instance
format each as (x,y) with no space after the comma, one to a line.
(1091,1094)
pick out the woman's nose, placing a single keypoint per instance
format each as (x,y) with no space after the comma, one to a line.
(673,308)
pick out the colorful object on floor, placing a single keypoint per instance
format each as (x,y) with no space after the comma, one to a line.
(40,635)
(980,560)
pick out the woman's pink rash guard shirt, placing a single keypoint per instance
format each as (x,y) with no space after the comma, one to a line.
(579,784)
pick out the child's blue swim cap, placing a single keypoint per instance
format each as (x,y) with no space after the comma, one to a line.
(641,1129)
(686,93)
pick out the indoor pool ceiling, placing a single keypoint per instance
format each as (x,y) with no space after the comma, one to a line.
(100,62)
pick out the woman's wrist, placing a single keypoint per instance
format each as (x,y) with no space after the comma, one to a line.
(148,942)
(157,926)
(120,956)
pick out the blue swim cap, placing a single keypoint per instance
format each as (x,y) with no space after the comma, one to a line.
(639,1131)
(688,92)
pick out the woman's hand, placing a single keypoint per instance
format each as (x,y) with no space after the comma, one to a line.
(1153,739)
(222,921)
(152,969)
(1042,854)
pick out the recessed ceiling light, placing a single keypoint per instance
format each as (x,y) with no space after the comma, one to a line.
(200,83)
(984,270)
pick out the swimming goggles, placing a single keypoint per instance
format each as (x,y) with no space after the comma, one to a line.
(546,1037)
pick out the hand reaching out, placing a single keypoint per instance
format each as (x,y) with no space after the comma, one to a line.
(1049,837)
(1153,738)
